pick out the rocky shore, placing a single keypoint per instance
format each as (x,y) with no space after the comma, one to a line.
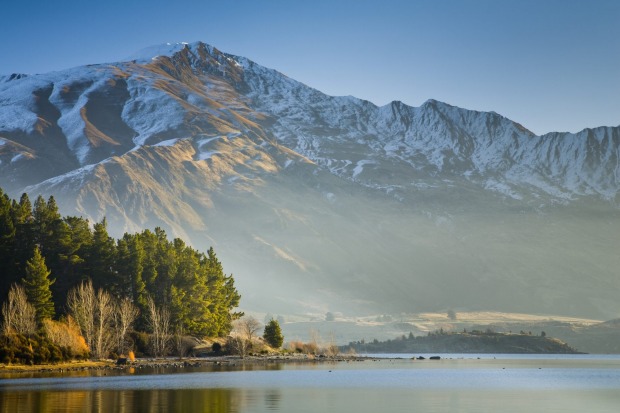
(174,363)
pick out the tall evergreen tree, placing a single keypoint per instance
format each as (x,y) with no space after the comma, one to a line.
(223,296)
(166,267)
(49,230)
(74,241)
(148,241)
(7,247)
(273,334)
(24,240)
(37,284)
(189,294)
(23,209)
(101,258)
(7,229)
(130,268)
(51,234)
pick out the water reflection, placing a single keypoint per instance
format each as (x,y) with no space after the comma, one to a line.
(207,400)
(272,399)
(567,385)
(295,400)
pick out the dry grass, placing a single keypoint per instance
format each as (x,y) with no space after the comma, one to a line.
(67,365)
(313,348)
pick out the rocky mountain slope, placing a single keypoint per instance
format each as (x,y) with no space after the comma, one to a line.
(321,203)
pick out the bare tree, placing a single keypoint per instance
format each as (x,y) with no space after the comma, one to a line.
(159,322)
(237,344)
(244,330)
(18,314)
(93,312)
(248,327)
(81,304)
(182,343)
(104,312)
(125,315)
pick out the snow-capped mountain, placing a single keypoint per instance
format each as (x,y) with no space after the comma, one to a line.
(394,208)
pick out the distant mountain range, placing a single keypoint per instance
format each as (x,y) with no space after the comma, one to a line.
(319,203)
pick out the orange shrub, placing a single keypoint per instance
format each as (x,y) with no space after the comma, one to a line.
(66,334)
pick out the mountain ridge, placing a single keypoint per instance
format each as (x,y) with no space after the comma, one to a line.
(308,192)
(202,58)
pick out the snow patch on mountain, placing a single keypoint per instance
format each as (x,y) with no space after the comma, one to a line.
(152,52)
(72,120)
(169,142)
(150,110)
(73,179)
(17,104)
(359,167)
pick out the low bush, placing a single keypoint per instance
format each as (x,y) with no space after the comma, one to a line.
(303,348)
(66,335)
(141,342)
(35,349)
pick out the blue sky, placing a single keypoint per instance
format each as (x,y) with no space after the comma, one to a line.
(552,65)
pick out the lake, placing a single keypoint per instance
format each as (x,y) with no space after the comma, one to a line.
(457,383)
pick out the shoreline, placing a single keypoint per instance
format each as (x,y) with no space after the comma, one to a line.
(220,361)
(186,362)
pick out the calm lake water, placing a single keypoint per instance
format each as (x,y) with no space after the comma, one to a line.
(457,383)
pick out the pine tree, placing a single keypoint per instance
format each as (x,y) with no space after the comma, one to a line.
(166,267)
(273,334)
(37,283)
(130,265)
(7,229)
(7,245)
(222,295)
(76,241)
(22,221)
(101,258)
(51,233)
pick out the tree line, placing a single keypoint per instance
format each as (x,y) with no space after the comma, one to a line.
(65,263)
(474,341)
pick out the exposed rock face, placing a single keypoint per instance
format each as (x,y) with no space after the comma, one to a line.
(318,202)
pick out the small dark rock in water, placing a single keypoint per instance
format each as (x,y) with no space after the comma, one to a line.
(435,358)
(421,358)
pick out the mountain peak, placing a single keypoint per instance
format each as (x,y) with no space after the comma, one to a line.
(166,49)
(435,104)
